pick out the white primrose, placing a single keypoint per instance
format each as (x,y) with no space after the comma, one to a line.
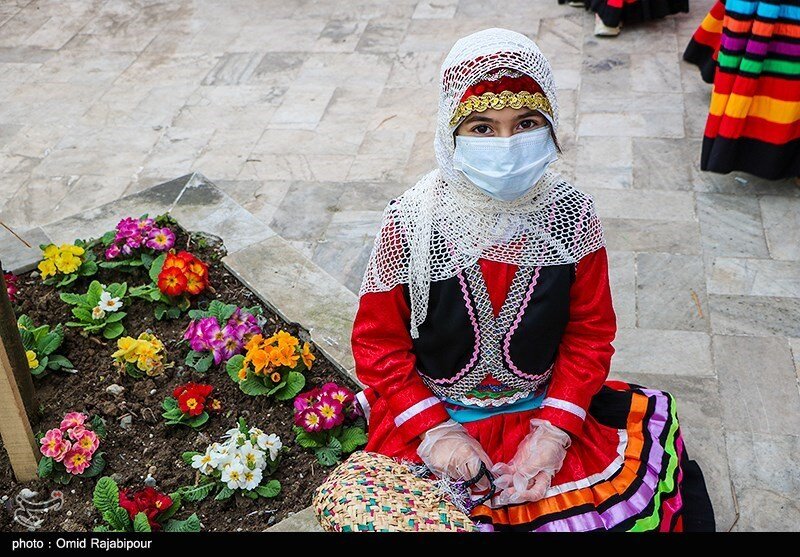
(108,302)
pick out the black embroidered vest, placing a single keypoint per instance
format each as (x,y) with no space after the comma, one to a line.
(461,342)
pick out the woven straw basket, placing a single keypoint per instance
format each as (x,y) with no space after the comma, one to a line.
(370,492)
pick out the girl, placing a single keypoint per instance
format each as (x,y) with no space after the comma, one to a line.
(485,322)
(611,14)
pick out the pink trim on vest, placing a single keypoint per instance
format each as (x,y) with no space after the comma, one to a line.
(507,341)
(476,351)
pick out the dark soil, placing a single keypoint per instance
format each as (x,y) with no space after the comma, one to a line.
(148,446)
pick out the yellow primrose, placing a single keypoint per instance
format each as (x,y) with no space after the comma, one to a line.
(33,363)
(69,248)
(50,251)
(47,268)
(67,263)
(287,339)
(307,356)
(127,349)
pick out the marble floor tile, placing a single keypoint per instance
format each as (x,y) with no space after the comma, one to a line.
(662,352)
(781,219)
(644,235)
(755,315)
(643,204)
(622,278)
(302,107)
(671,292)
(340,35)
(382,35)
(731,225)
(753,374)
(661,164)
(306,210)
(754,277)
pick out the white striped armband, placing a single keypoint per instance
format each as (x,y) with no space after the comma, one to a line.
(363,402)
(417,408)
(566,406)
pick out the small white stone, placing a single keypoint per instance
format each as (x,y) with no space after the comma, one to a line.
(115,389)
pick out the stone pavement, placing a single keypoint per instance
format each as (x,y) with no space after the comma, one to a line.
(312,115)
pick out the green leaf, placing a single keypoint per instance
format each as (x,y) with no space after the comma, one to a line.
(108,237)
(99,426)
(175,311)
(277,388)
(25,322)
(169,404)
(203,364)
(87,269)
(67,280)
(113,330)
(271,489)
(252,494)
(352,438)
(117,289)
(49,343)
(216,309)
(187,456)
(160,311)
(197,421)
(155,268)
(140,523)
(37,371)
(327,456)
(121,263)
(191,524)
(308,440)
(253,385)
(45,467)
(115,316)
(295,382)
(147,260)
(101,528)
(196,314)
(57,361)
(233,366)
(106,495)
(28,340)
(174,416)
(97,465)
(196,493)
(43,362)
(118,519)
(73,299)
(224,493)
(93,294)
(85,315)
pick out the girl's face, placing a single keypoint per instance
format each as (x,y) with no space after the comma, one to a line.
(501,123)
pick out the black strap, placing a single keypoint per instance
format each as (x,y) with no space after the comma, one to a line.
(483,471)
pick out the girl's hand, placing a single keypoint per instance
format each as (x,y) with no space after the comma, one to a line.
(449,451)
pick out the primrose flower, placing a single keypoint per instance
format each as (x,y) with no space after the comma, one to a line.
(220,454)
(309,419)
(112,251)
(233,475)
(33,361)
(98,313)
(172,281)
(203,462)
(54,445)
(86,440)
(160,239)
(76,460)
(11,286)
(250,456)
(332,412)
(251,478)
(108,302)
(271,443)
(73,419)
(307,356)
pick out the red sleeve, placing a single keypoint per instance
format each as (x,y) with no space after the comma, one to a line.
(584,354)
(382,350)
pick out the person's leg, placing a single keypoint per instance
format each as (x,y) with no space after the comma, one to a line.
(603,30)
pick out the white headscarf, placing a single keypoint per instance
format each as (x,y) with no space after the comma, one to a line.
(445,223)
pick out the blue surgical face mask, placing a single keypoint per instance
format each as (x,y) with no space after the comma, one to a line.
(505,167)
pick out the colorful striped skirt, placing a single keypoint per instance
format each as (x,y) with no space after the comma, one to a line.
(750,51)
(614,12)
(627,471)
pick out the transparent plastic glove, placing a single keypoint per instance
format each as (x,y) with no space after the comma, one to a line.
(448,450)
(539,456)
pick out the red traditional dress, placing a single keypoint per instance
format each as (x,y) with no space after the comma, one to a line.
(623,470)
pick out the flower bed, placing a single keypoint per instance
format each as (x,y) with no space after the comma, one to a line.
(142,376)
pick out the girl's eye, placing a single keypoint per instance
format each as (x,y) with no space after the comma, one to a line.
(481,129)
(528,124)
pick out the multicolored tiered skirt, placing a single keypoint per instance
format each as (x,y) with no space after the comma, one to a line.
(750,51)
(627,471)
(614,12)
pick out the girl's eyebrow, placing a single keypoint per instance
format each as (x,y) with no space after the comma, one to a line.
(478,118)
(528,114)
